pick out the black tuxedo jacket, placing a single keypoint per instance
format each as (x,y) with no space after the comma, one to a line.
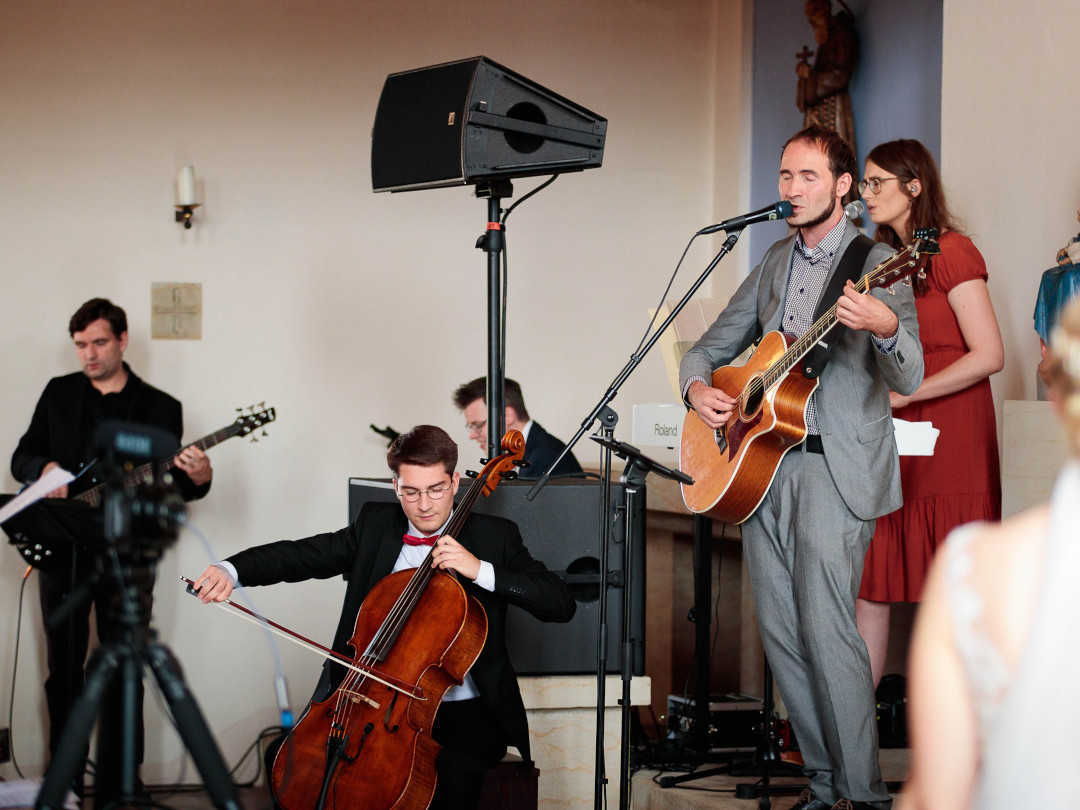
(541,448)
(366,551)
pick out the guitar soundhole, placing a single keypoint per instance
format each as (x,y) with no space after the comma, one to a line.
(753,399)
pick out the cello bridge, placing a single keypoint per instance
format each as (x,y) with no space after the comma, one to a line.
(356,697)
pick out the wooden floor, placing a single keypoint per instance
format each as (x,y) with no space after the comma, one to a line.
(719,792)
(709,793)
(253,798)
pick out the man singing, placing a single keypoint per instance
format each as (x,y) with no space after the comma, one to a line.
(806,542)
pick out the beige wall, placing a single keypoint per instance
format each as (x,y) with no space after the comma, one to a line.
(1009,153)
(303,268)
(336,306)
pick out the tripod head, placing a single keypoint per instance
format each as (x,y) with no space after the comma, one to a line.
(138,524)
(142,521)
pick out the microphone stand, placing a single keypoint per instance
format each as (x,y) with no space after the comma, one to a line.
(609,418)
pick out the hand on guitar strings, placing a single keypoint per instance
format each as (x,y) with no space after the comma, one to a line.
(214,585)
(712,405)
(196,464)
(864,312)
(450,555)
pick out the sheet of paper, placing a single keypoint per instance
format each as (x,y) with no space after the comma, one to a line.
(56,477)
(23,793)
(915,438)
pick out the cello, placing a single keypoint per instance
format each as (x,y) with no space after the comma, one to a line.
(417,633)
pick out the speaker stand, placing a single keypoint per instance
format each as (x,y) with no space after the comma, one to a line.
(493,243)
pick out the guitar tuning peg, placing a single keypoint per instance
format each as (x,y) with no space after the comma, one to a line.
(262,405)
(239,410)
(254,438)
(264,433)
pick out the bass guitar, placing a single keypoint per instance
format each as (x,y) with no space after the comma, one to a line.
(49,552)
(733,466)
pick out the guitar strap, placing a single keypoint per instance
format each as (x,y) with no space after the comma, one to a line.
(850,267)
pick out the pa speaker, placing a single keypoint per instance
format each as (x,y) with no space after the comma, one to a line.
(561,528)
(463,122)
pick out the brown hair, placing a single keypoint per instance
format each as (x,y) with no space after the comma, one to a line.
(476,389)
(841,158)
(1063,370)
(909,160)
(97,308)
(424,446)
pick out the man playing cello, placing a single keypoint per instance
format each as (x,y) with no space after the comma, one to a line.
(478,719)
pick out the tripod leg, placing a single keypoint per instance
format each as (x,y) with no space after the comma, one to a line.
(193,729)
(117,776)
(67,760)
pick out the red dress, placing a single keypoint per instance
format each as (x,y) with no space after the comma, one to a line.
(961,482)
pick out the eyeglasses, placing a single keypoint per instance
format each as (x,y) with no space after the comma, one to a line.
(413,495)
(874,184)
(475,427)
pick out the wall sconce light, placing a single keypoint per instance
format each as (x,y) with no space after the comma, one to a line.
(185,195)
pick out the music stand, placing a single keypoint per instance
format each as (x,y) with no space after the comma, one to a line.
(49,528)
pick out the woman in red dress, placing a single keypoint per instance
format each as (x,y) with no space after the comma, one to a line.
(962,348)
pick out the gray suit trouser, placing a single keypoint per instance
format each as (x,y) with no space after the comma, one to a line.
(805,551)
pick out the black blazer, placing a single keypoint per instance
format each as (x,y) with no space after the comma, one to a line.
(60,429)
(541,448)
(366,551)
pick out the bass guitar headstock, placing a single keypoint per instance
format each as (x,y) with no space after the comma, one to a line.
(246,424)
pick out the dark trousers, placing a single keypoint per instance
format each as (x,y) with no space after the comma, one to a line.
(472,742)
(66,648)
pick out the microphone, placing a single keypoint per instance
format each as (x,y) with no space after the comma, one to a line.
(778,210)
(855,209)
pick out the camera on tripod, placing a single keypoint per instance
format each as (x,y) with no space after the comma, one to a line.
(140,518)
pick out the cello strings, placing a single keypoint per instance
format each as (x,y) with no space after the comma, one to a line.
(400,611)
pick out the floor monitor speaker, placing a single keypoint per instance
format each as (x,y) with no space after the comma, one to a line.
(561,528)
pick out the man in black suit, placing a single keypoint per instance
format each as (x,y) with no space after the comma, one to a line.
(541,448)
(61,435)
(477,720)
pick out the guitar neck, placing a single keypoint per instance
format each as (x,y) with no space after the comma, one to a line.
(144,472)
(822,326)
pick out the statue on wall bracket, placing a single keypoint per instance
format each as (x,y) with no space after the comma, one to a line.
(823,96)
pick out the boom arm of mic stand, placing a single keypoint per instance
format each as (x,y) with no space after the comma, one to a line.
(635,361)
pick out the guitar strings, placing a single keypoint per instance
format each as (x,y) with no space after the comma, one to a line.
(802,345)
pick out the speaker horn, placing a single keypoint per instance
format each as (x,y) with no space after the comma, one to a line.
(474,120)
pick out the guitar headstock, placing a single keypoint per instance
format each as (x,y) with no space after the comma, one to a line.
(513,443)
(248,423)
(913,260)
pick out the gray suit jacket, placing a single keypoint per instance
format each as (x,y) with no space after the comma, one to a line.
(853,395)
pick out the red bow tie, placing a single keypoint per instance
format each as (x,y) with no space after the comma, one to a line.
(412,540)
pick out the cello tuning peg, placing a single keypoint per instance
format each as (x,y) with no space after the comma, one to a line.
(471,473)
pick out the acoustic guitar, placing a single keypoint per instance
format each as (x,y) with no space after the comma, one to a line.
(734,466)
